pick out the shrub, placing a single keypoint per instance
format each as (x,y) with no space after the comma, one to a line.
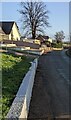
(57,45)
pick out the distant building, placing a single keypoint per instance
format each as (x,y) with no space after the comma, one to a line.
(50,40)
(30,40)
(9,31)
(42,38)
(36,41)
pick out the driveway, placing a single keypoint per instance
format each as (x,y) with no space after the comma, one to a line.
(52,88)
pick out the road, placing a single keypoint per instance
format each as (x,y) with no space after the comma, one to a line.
(52,88)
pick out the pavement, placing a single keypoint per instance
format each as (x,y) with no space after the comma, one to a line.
(51,97)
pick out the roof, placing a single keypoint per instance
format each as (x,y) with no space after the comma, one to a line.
(6,26)
(42,38)
(45,37)
(27,44)
(1,31)
(22,44)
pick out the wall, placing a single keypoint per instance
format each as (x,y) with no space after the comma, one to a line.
(37,41)
(3,37)
(10,36)
(20,106)
(15,33)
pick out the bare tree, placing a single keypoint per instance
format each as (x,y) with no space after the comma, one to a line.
(34,17)
(59,36)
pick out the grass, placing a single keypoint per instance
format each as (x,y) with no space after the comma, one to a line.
(14,69)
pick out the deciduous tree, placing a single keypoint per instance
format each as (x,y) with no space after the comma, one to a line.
(34,17)
(59,36)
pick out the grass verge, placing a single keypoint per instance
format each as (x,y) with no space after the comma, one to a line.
(14,69)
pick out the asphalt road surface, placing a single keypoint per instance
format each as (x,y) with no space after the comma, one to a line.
(51,97)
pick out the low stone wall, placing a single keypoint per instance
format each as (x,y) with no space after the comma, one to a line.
(20,105)
(57,48)
(36,52)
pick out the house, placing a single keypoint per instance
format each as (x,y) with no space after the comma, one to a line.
(50,40)
(9,31)
(36,41)
(30,40)
(42,39)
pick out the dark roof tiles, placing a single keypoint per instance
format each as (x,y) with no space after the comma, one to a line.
(6,26)
(22,44)
(42,38)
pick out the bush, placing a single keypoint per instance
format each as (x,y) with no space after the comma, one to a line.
(57,45)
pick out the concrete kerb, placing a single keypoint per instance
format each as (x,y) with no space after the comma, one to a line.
(20,105)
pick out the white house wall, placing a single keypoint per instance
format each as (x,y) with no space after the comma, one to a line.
(10,36)
(16,34)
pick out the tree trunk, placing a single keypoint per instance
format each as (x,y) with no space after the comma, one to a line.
(33,34)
